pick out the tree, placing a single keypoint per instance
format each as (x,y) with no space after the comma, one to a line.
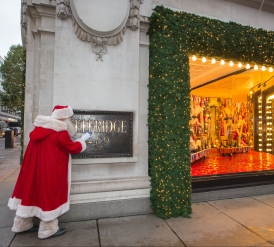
(12,70)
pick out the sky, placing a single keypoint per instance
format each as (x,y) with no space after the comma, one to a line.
(10,26)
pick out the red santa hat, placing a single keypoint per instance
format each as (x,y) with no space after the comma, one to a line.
(62,111)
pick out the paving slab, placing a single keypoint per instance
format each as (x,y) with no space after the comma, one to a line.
(7,216)
(78,234)
(209,227)
(6,190)
(13,176)
(6,173)
(251,213)
(142,230)
(267,199)
(6,236)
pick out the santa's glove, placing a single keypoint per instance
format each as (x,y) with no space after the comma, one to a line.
(85,136)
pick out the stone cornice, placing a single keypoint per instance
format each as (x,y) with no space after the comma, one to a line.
(99,40)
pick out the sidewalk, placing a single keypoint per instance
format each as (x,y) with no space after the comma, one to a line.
(245,221)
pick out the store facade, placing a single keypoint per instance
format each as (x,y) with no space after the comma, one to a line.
(107,68)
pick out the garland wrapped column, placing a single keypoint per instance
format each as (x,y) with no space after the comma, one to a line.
(169,115)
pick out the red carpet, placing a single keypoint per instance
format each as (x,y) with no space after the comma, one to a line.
(215,163)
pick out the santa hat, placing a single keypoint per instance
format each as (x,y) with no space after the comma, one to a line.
(62,111)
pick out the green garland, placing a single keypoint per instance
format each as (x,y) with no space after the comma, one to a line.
(174,36)
(23,107)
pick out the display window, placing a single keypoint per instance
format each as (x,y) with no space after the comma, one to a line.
(231,123)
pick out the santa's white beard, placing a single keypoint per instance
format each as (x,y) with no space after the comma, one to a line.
(70,127)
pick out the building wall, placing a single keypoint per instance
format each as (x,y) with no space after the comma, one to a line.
(62,69)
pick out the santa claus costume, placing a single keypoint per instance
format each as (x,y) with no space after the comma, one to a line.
(42,187)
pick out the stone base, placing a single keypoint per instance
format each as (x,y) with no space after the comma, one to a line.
(107,209)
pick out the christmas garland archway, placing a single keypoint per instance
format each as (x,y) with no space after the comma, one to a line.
(174,36)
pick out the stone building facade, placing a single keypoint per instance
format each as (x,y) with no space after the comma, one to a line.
(94,55)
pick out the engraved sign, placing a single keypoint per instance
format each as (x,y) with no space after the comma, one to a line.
(111,133)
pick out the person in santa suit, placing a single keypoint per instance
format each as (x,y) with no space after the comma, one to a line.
(43,185)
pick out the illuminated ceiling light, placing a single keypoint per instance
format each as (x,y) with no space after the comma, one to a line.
(222,62)
(251,92)
(256,67)
(213,60)
(270,69)
(231,63)
(263,68)
(240,65)
(203,59)
(194,58)
(247,66)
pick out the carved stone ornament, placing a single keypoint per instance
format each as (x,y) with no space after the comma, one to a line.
(63,9)
(101,22)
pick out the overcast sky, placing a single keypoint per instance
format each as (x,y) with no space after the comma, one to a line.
(10,27)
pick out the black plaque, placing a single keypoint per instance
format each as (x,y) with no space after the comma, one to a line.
(111,133)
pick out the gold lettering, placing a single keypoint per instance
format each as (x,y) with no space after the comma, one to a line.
(123,127)
(116,130)
(106,140)
(76,127)
(83,126)
(97,126)
(109,126)
(103,126)
(97,142)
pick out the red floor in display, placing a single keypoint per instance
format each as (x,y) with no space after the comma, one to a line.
(215,163)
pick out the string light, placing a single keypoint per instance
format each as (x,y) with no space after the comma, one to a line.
(240,65)
(203,59)
(247,66)
(231,63)
(270,69)
(194,58)
(213,61)
(173,36)
(256,67)
(222,62)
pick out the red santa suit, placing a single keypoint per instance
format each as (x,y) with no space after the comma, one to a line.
(42,187)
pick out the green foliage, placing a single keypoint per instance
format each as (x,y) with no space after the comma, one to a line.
(174,36)
(12,70)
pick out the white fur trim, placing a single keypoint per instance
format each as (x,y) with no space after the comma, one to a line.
(62,113)
(31,211)
(83,143)
(50,123)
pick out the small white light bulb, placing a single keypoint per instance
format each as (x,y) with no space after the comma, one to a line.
(248,66)
(203,59)
(270,69)
(231,63)
(222,62)
(194,58)
(263,68)
(240,65)
(256,67)
(213,61)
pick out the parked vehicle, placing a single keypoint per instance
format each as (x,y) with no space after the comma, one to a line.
(19,130)
(15,129)
(3,128)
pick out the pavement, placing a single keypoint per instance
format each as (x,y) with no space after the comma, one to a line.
(246,221)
